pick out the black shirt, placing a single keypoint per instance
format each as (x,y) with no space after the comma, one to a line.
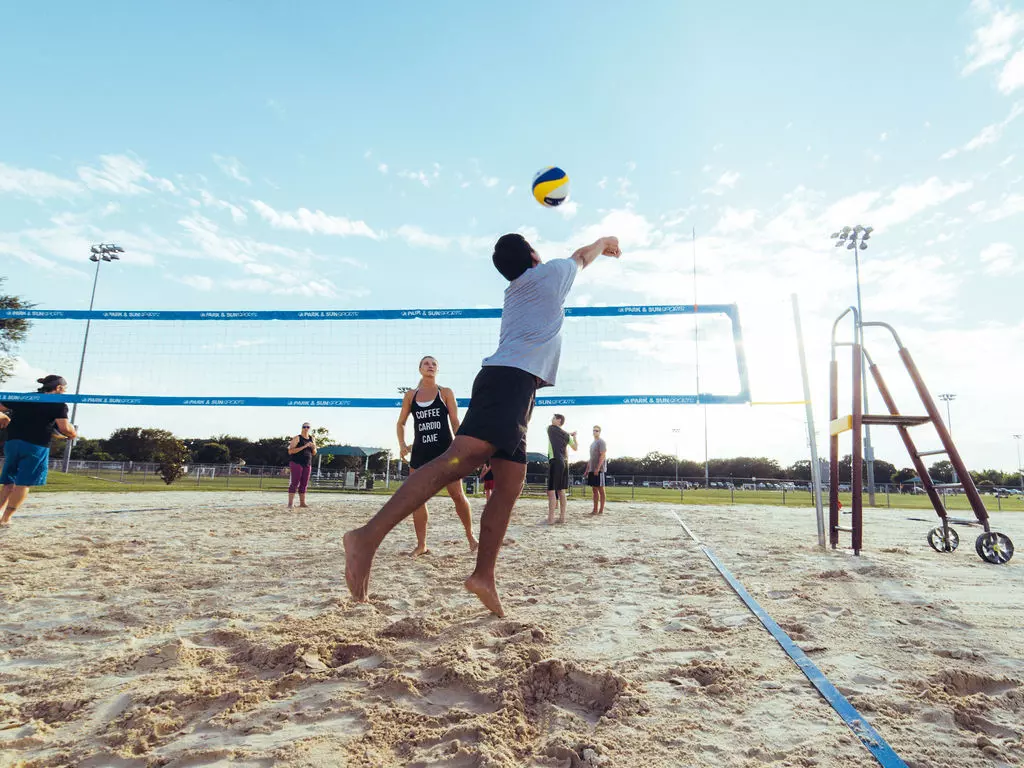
(303,458)
(34,422)
(433,431)
(558,439)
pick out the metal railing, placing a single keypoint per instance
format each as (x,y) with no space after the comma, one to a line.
(618,487)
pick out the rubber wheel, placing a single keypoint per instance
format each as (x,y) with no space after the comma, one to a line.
(937,540)
(994,547)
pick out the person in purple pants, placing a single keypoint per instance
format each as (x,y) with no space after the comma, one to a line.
(301,451)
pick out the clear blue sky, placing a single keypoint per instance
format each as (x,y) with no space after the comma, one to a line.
(326,155)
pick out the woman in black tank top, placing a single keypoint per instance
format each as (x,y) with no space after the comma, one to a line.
(435,419)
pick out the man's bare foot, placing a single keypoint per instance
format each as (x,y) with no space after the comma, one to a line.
(357,566)
(303,506)
(474,545)
(420,550)
(487,592)
(561,520)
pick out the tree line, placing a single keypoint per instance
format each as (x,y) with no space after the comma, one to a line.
(149,445)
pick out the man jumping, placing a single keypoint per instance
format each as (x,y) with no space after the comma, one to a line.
(501,403)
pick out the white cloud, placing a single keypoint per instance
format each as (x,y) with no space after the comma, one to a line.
(1011,205)
(415,236)
(977,207)
(884,136)
(199,282)
(1007,161)
(725,182)
(630,166)
(490,181)
(908,200)
(993,41)
(625,190)
(1012,76)
(569,209)
(419,238)
(602,182)
(511,189)
(419,176)
(232,168)
(383,167)
(119,175)
(990,134)
(29,182)
(313,222)
(733,220)
(999,259)
(237,214)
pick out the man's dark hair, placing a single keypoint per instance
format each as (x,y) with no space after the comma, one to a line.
(51,382)
(561,418)
(512,256)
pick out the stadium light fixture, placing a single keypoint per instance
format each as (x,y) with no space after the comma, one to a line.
(97,253)
(856,239)
(947,398)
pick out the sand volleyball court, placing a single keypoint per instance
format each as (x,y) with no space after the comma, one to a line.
(194,629)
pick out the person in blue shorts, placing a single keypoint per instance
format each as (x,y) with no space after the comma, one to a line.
(30,426)
(500,406)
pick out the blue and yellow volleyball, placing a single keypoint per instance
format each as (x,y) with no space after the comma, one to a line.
(551,186)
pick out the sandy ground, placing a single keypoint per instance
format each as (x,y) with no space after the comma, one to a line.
(193,629)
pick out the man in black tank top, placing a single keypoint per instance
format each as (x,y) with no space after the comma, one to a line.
(435,416)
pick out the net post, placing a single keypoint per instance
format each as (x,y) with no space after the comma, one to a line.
(811,437)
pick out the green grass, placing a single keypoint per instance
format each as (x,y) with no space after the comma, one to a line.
(58,482)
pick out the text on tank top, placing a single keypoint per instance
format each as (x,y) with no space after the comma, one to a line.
(431,422)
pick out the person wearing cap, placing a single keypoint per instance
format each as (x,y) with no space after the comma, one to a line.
(498,418)
(30,427)
(301,451)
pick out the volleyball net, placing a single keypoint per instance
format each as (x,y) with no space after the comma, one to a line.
(619,355)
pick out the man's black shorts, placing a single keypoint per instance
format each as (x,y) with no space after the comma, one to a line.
(558,475)
(595,479)
(500,408)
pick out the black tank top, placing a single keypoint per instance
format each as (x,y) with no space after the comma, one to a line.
(302,457)
(430,423)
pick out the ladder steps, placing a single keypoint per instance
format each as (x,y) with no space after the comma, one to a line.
(896,420)
(932,453)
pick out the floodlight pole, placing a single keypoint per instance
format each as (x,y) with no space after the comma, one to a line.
(99,253)
(856,240)
(948,397)
(675,431)
(1020,467)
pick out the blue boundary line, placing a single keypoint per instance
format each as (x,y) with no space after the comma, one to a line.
(359,402)
(869,737)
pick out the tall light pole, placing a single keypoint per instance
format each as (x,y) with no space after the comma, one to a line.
(97,253)
(947,398)
(1020,467)
(675,431)
(856,240)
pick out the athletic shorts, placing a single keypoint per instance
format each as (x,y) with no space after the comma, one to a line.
(595,479)
(24,463)
(500,408)
(423,454)
(488,485)
(558,475)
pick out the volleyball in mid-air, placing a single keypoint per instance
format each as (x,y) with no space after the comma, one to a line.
(551,186)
